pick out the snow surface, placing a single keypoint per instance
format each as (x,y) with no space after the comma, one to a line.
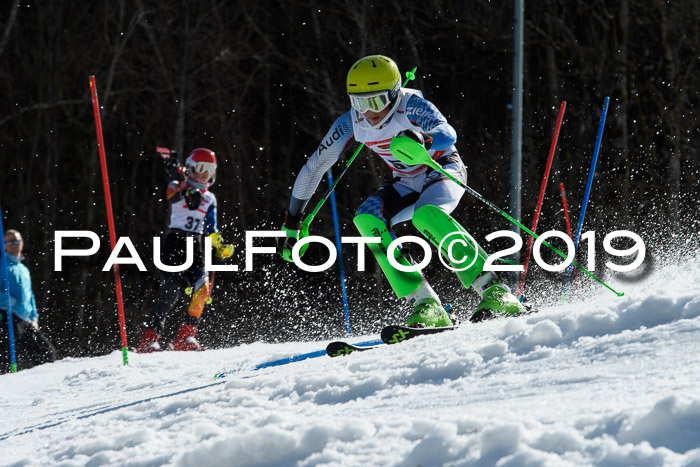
(606,381)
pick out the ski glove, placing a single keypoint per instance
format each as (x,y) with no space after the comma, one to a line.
(291,227)
(173,168)
(424,139)
(193,197)
(286,244)
(295,231)
(221,251)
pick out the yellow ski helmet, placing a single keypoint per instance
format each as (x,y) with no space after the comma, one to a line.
(373,73)
(373,83)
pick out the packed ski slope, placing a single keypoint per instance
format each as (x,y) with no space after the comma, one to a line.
(608,381)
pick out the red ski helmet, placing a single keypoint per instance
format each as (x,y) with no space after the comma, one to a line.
(202,160)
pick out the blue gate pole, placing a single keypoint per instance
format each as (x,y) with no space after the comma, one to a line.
(338,246)
(587,193)
(5,287)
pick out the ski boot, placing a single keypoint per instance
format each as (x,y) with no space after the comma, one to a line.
(496,299)
(148,341)
(187,339)
(427,310)
(427,314)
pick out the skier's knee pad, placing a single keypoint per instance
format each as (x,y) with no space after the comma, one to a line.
(453,242)
(199,299)
(374,206)
(402,282)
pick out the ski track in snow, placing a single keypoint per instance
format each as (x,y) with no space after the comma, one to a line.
(606,381)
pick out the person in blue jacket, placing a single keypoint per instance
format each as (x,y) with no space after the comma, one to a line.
(33,347)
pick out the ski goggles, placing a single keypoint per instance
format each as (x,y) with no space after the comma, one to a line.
(13,242)
(374,101)
(201,167)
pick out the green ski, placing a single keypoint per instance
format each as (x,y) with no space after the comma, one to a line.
(396,334)
(340,348)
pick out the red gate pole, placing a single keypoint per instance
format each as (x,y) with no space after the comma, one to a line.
(550,158)
(568,228)
(566,210)
(110,218)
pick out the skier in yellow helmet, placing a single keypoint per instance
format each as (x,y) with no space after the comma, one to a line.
(381,109)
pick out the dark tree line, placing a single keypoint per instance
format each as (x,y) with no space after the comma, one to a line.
(260,82)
